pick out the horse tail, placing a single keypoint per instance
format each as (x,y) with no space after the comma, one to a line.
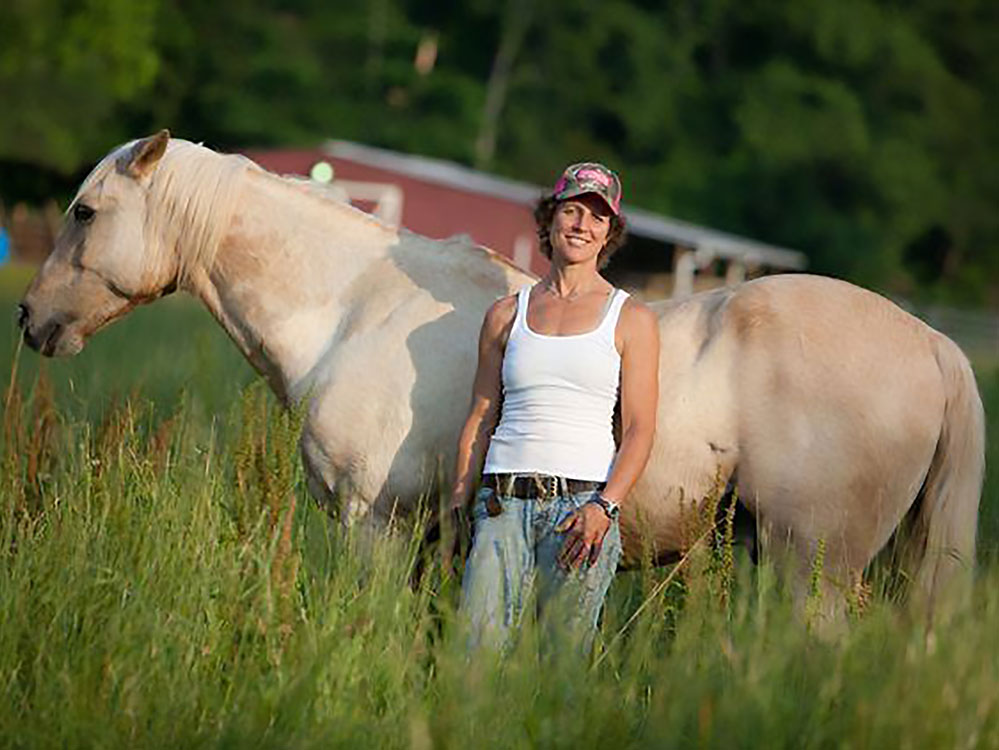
(947,520)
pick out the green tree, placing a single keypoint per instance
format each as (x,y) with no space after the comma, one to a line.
(835,128)
(64,69)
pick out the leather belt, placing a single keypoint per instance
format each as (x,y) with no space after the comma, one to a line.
(536,486)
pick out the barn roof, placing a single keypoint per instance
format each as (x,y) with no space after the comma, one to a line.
(709,243)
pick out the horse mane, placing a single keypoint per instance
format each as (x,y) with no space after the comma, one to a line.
(193,192)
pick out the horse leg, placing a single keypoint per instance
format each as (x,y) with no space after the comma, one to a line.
(820,582)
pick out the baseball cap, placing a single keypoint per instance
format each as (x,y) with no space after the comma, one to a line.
(589,177)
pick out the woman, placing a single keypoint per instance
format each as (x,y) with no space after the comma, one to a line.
(557,356)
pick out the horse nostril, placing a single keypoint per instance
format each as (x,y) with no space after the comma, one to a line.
(22,315)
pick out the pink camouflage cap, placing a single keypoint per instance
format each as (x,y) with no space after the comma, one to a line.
(589,177)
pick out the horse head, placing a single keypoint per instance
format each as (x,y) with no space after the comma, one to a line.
(105,260)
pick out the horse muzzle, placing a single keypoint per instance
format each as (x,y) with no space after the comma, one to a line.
(46,338)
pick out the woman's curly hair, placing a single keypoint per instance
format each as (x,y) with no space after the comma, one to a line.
(544,212)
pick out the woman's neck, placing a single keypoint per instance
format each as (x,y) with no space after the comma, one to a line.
(571,282)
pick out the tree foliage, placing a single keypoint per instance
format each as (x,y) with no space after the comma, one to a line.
(859,131)
(65,67)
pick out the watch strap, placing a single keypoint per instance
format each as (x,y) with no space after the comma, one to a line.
(610,508)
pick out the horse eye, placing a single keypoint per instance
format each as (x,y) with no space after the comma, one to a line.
(83,213)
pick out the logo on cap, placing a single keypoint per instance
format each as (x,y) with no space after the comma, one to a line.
(589,177)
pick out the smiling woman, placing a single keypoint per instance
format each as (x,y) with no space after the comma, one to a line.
(553,361)
(544,214)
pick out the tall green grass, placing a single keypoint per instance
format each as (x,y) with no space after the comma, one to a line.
(164,581)
(163,353)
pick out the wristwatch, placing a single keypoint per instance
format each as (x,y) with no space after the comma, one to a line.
(609,507)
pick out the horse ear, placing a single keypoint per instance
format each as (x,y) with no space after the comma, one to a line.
(143,157)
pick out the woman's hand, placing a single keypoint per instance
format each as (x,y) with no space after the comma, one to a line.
(461,497)
(585,529)
(453,526)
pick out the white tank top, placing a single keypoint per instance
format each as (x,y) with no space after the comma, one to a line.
(559,394)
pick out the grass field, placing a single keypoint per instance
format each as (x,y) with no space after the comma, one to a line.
(165,581)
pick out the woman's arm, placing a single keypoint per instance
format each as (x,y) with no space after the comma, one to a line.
(638,340)
(639,399)
(486,396)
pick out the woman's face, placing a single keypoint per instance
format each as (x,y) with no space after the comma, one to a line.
(579,228)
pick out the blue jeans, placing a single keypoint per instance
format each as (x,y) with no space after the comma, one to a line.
(513,562)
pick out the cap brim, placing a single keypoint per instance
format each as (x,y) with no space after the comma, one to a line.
(575,192)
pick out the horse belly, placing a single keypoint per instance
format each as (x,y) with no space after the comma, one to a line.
(386,417)
(696,450)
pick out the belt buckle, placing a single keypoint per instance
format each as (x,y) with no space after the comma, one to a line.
(547,486)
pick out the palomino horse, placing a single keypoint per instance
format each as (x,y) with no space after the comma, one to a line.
(835,413)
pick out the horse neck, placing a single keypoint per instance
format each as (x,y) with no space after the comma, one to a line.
(277,284)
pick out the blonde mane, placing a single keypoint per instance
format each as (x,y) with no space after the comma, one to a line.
(193,193)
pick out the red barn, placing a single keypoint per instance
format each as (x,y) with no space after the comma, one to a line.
(441,199)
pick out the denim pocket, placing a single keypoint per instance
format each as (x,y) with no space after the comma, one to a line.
(479,510)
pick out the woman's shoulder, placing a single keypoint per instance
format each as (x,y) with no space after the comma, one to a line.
(501,314)
(637,317)
(504,306)
(634,307)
